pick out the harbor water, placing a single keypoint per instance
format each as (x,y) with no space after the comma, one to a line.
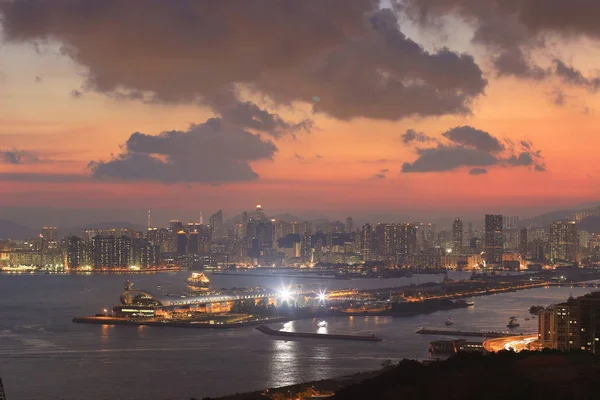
(43,355)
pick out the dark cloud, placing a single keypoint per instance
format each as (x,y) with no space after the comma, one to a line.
(574,77)
(475,138)
(16,157)
(512,62)
(448,158)
(249,115)
(478,171)
(381,174)
(470,147)
(213,152)
(348,53)
(411,136)
(511,29)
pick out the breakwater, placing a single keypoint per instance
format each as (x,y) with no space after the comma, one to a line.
(292,335)
(173,324)
(466,333)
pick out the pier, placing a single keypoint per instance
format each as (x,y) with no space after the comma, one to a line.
(466,333)
(296,335)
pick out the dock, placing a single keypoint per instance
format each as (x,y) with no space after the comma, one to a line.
(466,333)
(282,335)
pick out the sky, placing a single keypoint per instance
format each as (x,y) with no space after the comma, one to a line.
(319,107)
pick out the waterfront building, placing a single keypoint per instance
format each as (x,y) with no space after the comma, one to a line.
(111,252)
(573,325)
(564,241)
(457,236)
(494,246)
(74,252)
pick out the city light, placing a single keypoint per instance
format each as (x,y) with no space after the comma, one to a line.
(322,296)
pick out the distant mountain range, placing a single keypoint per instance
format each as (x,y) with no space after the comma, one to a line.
(14,230)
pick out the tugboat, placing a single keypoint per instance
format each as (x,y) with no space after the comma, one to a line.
(198,281)
(449,322)
(512,323)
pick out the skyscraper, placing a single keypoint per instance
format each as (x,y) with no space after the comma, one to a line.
(457,236)
(564,241)
(349,225)
(74,252)
(366,241)
(216,221)
(494,246)
(523,243)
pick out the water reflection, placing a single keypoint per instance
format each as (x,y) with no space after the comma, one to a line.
(283,363)
(322,330)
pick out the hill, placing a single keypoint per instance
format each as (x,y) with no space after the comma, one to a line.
(12,230)
(590,224)
(470,376)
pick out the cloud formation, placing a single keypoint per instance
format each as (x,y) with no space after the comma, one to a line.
(16,157)
(348,54)
(512,30)
(411,136)
(466,146)
(213,152)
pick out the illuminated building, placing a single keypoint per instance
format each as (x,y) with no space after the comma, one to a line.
(260,213)
(457,236)
(584,239)
(145,254)
(111,252)
(494,245)
(74,252)
(366,241)
(573,325)
(181,243)
(193,242)
(49,238)
(564,241)
(510,222)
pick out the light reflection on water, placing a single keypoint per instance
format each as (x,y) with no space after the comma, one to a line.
(44,355)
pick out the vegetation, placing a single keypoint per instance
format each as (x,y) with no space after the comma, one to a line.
(505,375)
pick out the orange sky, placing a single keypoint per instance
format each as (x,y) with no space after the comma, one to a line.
(340,158)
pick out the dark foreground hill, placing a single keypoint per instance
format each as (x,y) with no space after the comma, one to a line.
(527,375)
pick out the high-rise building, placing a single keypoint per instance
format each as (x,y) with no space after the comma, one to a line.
(494,246)
(407,244)
(573,325)
(366,241)
(510,222)
(49,238)
(584,239)
(260,213)
(111,251)
(74,252)
(457,236)
(523,243)
(564,241)
(216,222)
(349,225)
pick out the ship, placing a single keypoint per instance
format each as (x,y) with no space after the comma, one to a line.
(536,309)
(449,322)
(198,281)
(322,324)
(512,323)
(464,303)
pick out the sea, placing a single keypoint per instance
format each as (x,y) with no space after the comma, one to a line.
(44,355)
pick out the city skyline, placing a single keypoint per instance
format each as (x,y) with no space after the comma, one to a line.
(493,130)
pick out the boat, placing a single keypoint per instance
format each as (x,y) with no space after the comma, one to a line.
(449,322)
(536,309)
(465,303)
(512,323)
(198,281)
(159,287)
(527,318)
(322,324)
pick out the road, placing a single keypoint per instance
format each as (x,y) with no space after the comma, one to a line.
(515,343)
